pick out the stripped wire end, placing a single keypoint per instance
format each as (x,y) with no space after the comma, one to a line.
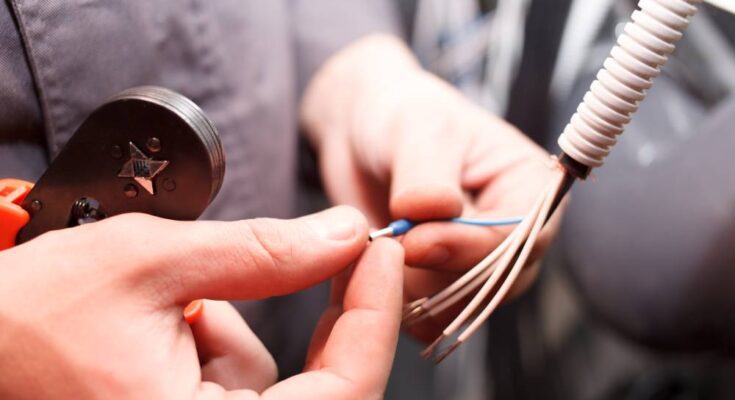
(396,228)
(385,232)
(489,281)
(428,351)
(444,354)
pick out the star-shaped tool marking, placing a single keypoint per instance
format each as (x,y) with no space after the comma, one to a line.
(142,168)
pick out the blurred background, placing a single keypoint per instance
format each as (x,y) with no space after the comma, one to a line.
(633,299)
(636,299)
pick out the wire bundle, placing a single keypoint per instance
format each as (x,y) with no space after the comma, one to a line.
(491,278)
(637,58)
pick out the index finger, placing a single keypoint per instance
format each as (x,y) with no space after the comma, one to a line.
(450,246)
(357,356)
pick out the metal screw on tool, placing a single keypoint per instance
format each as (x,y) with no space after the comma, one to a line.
(130,190)
(86,210)
(153,144)
(169,184)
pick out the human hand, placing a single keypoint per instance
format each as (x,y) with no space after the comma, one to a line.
(397,142)
(96,311)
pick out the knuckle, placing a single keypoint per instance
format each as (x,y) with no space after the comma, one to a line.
(125,223)
(110,231)
(131,237)
(132,230)
(80,238)
(264,244)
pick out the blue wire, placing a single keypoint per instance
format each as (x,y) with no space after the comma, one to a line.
(401,226)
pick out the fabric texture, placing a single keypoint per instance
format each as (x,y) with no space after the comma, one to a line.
(244,62)
(22,154)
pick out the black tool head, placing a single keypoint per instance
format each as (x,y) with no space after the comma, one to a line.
(147,149)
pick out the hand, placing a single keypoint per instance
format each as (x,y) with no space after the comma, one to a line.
(96,311)
(397,142)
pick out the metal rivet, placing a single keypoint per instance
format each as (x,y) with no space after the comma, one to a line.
(36,205)
(130,190)
(116,152)
(153,144)
(169,184)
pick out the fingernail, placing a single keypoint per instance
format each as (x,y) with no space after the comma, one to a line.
(338,223)
(437,255)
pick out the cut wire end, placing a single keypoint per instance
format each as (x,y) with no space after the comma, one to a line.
(490,280)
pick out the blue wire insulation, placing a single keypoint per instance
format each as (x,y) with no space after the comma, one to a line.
(401,226)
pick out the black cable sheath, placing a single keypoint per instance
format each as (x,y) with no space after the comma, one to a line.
(566,185)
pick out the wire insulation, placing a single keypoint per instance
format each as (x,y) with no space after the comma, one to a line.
(401,226)
(641,50)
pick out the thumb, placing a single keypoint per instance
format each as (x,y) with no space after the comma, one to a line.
(248,259)
(427,166)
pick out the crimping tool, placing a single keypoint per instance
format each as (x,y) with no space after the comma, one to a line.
(147,150)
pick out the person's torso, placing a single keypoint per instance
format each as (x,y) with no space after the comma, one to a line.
(60,60)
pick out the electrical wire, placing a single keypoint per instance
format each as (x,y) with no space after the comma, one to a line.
(641,50)
(609,105)
(486,275)
(402,226)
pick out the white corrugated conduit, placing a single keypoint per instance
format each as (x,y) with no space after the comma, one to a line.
(621,85)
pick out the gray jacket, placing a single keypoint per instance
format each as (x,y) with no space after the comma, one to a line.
(245,62)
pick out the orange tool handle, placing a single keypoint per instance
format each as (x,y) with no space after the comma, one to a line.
(193,311)
(12,215)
